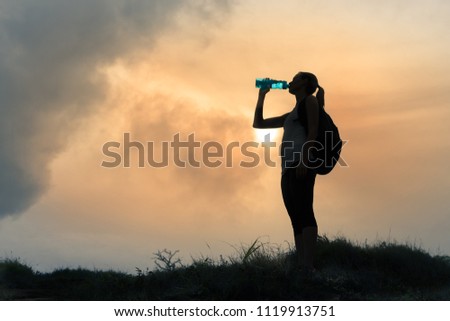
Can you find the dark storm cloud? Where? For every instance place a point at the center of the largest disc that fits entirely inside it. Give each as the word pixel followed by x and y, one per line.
pixel 50 55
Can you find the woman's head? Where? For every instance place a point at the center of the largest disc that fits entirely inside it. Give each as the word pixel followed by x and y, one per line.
pixel 305 80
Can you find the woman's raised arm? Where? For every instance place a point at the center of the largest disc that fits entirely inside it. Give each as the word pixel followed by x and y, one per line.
pixel 259 121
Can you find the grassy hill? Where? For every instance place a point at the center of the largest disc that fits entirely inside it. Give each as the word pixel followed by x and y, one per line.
pixel 385 271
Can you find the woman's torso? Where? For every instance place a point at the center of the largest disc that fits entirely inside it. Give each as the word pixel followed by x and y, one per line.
pixel 294 136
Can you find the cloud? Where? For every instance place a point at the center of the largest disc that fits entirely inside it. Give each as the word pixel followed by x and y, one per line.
pixel 160 117
pixel 51 54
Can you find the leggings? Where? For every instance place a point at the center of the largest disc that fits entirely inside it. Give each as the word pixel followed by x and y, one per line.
pixel 298 195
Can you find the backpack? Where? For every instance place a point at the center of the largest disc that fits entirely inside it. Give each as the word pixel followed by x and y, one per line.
pixel 327 149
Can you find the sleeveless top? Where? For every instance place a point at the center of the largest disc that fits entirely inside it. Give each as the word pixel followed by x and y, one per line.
pixel 294 136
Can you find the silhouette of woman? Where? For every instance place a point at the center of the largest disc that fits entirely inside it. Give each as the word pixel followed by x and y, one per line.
pixel 297 180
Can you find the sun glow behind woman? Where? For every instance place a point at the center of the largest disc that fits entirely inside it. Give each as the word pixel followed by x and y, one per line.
pixel 261 134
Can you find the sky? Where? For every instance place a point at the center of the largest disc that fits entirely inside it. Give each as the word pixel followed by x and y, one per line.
pixel 76 75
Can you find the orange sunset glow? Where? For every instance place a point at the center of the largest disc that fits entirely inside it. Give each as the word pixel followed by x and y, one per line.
pixel 80 74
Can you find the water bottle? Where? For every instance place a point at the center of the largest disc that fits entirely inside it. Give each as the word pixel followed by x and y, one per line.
pixel 271 83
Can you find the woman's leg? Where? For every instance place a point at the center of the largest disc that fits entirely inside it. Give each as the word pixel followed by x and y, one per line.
pixel 309 235
pixel 289 195
pixel 298 238
pixel 309 224
pixel 298 196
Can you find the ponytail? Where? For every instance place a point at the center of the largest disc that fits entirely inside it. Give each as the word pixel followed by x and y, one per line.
pixel 320 95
